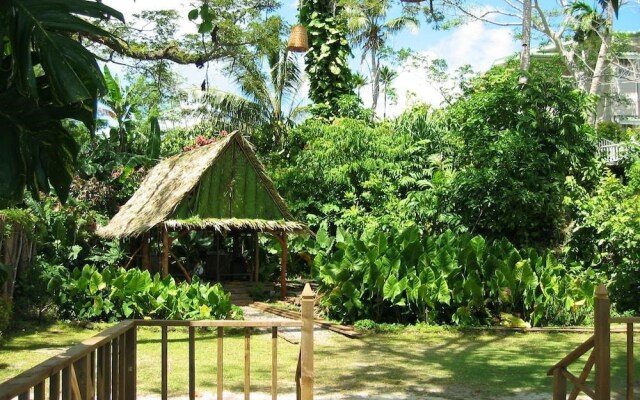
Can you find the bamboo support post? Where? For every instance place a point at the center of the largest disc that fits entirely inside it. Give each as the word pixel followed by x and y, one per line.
pixel 306 344
pixel 256 242
pixel 602 342
pixel 219 385
pixel 166 248
pixel 283 265
pixel 146 252
pixel 186 273
pixel 630 368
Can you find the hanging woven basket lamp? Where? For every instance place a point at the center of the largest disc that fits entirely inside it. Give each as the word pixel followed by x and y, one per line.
pixel 298 40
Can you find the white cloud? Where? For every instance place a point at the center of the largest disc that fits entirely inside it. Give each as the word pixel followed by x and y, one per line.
pixel 475 44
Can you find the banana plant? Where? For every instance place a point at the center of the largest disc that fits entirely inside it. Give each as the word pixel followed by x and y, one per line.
pixel 47 76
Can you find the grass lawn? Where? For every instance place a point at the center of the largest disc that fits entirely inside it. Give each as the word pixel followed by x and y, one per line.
pixel 421 363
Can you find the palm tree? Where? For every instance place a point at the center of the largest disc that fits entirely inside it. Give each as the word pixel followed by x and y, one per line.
pixel 387 75
pixel 370 29
pixel 269 98
pixel 359 81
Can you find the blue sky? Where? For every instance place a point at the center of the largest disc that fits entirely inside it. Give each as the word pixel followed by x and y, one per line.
pixel 476 43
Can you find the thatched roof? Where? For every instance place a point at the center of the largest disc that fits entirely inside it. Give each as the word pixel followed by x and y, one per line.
pixel 176 179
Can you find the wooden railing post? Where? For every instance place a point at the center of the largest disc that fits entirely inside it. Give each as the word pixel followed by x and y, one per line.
pixel 559 385
pixel 602 343
pixel 306 344
pixel 130 360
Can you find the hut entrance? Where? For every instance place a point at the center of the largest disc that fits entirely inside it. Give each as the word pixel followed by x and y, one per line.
pixel 235 257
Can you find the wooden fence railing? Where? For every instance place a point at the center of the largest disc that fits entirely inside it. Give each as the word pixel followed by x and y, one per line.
pixel 105 366
pixel 600 357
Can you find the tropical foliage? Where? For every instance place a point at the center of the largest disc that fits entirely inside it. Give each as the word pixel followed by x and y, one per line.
pixel 369 26
pixel 607 233
pixel 270 102
pixel 402 275
pixel 515 147
pixel 115 293
pixel 36 150
pixel 327 59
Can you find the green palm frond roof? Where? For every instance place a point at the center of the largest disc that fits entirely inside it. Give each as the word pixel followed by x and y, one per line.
pixel 221 186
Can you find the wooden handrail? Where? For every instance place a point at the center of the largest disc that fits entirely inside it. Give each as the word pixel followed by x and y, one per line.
pixel 600 356
pixel 624 320
pixel 31 377
pixel 220 323
pixel 104 366
pixel 573 356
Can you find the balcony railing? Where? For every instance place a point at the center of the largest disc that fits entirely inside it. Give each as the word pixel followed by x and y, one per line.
pixel 105 366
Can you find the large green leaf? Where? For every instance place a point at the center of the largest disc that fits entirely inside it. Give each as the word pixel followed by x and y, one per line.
pixel 40 34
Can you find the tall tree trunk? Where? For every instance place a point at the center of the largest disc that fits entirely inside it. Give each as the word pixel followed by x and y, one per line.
pixel 602 62
pixel 384 112
pixel 603 54
pixel 375 64
pixel 525 55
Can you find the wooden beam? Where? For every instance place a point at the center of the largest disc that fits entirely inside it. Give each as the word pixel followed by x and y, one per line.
pixel 225 323
pixel 186 273
pixel 146 252
pixel 256 241
pixel 583 375
pixel 131 361
pixel 283 265
pixel 166 249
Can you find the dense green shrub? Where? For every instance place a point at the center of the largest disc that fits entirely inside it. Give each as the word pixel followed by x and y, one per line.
pixel 113 294
pixel 351 174
pixel 406 276
pixel 32 298
pixel 516 145
pixel 606 235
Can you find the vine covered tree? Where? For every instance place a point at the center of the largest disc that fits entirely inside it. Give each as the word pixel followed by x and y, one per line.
pixel 327 59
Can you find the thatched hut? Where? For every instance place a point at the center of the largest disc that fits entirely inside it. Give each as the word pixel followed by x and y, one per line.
pixel 221 188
